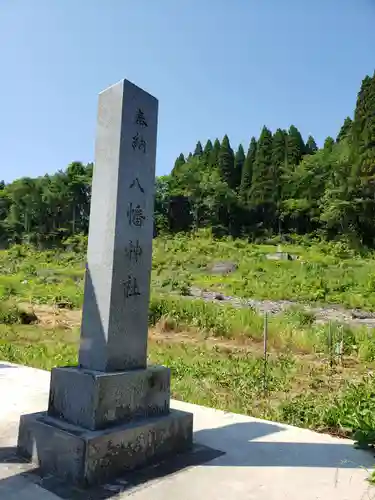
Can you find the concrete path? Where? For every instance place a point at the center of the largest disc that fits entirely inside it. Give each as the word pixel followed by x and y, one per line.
pixel 255 459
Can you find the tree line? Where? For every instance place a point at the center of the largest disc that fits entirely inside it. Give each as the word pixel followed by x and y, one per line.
pixel 281 184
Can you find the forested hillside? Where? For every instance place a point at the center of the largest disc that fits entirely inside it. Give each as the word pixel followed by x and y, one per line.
pixel 277 184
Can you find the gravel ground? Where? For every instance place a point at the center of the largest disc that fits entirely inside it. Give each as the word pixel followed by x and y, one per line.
pixel 323 314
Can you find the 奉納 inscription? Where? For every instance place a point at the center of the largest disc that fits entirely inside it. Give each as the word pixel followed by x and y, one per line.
pixel 138 142
pixel 140 118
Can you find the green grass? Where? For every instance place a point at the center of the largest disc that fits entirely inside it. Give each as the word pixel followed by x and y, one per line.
pixel 227 372
pixel 56 277
pixel 34 346
pixel 300 391
pixel 41 277
pixel 339 276
pixel 234 382
pixel 322 273
pixel 290 331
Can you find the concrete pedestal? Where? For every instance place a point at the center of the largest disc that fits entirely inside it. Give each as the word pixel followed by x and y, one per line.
pixel 85 458
pixel 96 400
pixel 99 425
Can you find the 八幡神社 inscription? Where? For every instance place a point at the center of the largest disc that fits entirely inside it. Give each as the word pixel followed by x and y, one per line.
pixel 134 250
pixel 137 184
pixel 135 215
pixel 131 288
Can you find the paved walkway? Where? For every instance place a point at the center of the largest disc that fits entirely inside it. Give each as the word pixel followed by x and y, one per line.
pixel 254 459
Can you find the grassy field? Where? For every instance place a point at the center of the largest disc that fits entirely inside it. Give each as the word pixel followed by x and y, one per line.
pixel 215 351
pixel 327 273
pixel 297 389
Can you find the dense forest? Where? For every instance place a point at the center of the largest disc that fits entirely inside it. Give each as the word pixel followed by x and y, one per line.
pixel 279 184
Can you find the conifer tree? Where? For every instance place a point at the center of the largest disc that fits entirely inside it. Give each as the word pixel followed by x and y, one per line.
pixel 363 158
pixel 226 162
pixel 363 128
pixel 279 148
pixel 247 171
pixel 262 187
pixel 279 167
pixel 239 161
pixel 207 151
pixel 198 149
pixel 296 146
pixel 178 163
pixel 328 144
pixel 214 156
pixel 311 146
pixel 345 130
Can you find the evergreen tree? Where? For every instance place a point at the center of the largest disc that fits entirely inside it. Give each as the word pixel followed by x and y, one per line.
pixel 214 157
pixel 178 164
pixel 368 154
pixel 364 127
pixel 279 161
pixel 247 171
pixel 262 188
pixel 311 146
pixel 198 149
pixel 207 151
pixel 361 112
pixel 345 130
pixel 328 144
pixel 80 197
pixel 363 157
pixel 239 161
pixel 226 162
pixel 296 146
pixel 279 148
pixel 162 203
pixel 4 208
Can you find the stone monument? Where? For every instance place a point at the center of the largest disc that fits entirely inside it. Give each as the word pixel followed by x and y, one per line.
pixel 112 413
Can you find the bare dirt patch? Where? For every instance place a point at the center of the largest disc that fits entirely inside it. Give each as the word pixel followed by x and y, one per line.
pixel 53 317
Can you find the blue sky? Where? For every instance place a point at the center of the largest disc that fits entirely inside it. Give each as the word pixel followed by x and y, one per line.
pixel 216 66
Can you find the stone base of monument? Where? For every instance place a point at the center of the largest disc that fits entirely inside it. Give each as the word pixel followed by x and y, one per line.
pixel 94 400
pixel 99 425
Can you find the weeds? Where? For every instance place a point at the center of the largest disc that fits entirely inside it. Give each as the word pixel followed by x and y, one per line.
pixel 290 331
pixel 351 409
pixel 227 379
pixel 302 389
pixel 11 314
pixel 319 273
